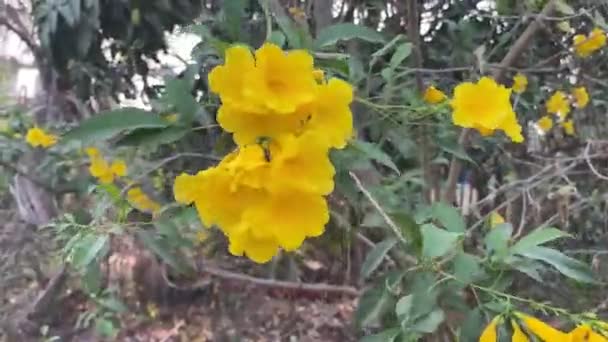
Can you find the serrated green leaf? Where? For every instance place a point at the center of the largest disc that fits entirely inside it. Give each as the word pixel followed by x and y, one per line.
pixel 402 52
pixel 108 124
pixel 449 217
pixel 375 153
pixel 153 136
pixel 375 256
pixel 566 265
pixel 93 247
pixel 536 238
pixel 385 336
pixel 346 31
pixel 429 323
pixel 437 242
pixel 466 267
pixel 497 239
pixel 373 305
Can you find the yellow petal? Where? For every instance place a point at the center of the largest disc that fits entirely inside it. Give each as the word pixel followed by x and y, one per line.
pixel 433 95
pixel 489 333
pixel 518 334
pixel 520 83
pixel 541 329
pixel 119 168
pixel 545 123
pixel 558 104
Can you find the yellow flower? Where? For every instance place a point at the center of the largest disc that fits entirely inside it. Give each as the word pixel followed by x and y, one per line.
pixel 568 127
pixel 581 97
pixel 433 95
pixel 541 329
pixel 104 171
pixel 328 114
pixel 171 118
pixel 275 81
pixel 518 334
pixel 38 137
pixel 319 75
pixel 140 200
pixel 584 333
pixel 558 104
pixel 485 113
pixel 585 46
pixel 496 219
pixel 520 83
pixel 489 333
pixel 545 123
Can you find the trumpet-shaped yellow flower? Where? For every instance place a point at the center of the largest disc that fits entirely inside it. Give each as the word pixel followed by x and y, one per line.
pixel 520 83
pixel 568 127
pixel 545 123
pixel 140 200
pixel 37 137
pixel 558 104
pixel 433 95
pixel 485 106
pixel 581 97
pixel 584 333
pixel 489 334
pixel 104 171
pixel 518 334
pixel 274 80
pixel 585 46
pixel 541 329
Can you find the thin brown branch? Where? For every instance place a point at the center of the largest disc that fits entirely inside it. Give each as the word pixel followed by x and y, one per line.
pixel 509 60
pixel 288 285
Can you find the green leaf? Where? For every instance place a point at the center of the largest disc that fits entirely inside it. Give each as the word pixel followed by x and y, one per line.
pixel 93 247
pixel 466 267
pixel 277 38
pixel 410 230
pixel 163 250
pixel 91 279
pixel 449 217
pixel 566 265
pixel 233 13
pixel 373 305
pixel 113 304
pixel 153 136
pixel 108 124
pixel 374 152
pixel 375 256
pixel 404 306
pixel 106 328
pixel 402 52
pixel 178 94
pixel 564 8
pixel 289 28
pixel 526 266
pixel 536 238
pixel 437 242
pixel 457 151
pixel 385 49
pixel 497 240
pixel 472 326
pixel 429 323
pixel 346 31
pixel 385 336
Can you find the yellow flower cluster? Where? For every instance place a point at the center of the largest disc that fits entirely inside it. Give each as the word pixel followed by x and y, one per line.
pixel 38 137
pixel 140 200
pixel 581 97
pixel 269 194
pixel 539 329
pixel 486 107
pixel 102 170
pixel 520 83
pixel 558 104
pixel 585 46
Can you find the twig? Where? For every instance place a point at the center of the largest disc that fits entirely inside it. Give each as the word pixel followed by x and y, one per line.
pixel 26 175
pixel 376 205
pixel 317 287
pixel 591 167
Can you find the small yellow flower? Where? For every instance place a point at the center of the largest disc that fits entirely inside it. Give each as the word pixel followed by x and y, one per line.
pixel 433 95
pixel 518 334
pixel 581 97
pixel 486 113
pixel 558 104
pixel 496 219
pixel 92 152
pixel 319 75
pixel 140 200
pixel 585 46
pixel 568 127
pixel 489 333
pixel 37 137
pixel 153 310
pixel 102 170
pixel 545 123
pixel 119 168
pixel 541 329
pixel 520 83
